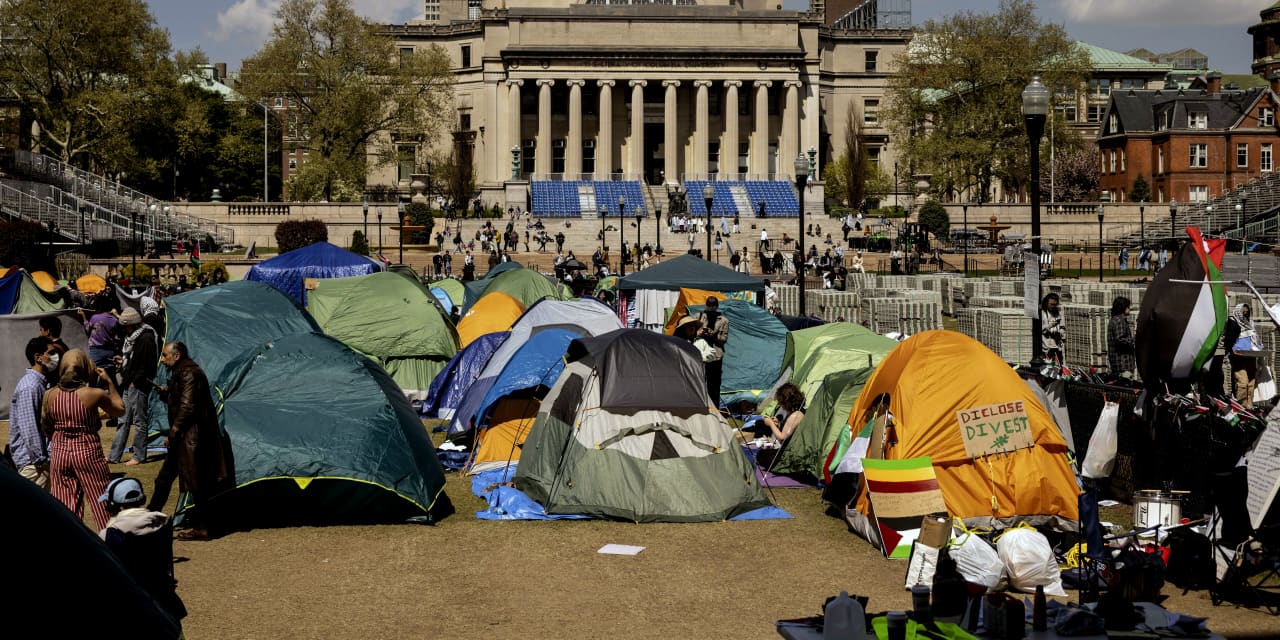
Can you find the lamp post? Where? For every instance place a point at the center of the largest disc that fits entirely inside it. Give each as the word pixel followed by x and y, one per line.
pixel 965 237
pixel 1142 226
pixel 802 178
pixel 365 231
pixel 1208 210
pixel 1240 220
pixel 602 212
pixel 1035 106
pixel 379 232
pixel 622 236
pixel 1173 219
pixel 708 197
pixel 1099 243
pixel 133 245
pixel 403 223
pixel 657 228
pixel 639 219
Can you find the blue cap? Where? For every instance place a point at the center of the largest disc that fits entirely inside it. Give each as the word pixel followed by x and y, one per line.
pixel 124 492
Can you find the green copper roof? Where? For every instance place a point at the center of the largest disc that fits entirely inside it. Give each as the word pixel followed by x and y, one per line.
pixel 1106 59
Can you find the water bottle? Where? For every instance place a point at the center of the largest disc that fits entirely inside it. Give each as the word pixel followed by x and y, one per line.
pixel 1040 611
pixel 897 625
pixel 920 609
pixel 843 619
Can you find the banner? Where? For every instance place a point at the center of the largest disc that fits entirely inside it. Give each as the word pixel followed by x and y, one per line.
pixel 995 428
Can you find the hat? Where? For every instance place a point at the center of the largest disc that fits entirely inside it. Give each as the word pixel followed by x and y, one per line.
pixel 130 317
pixel 124 492
pixel 684 321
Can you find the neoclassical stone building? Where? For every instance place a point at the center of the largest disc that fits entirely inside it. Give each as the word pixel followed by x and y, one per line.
pixel 658 91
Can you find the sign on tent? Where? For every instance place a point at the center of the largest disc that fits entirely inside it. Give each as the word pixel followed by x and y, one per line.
pixel 995 428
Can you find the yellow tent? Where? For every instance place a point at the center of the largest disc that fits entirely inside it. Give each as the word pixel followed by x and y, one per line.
pixel 91 283
pixel 44 280
pixel 688 297
pixel 950 397
pixel 499 443
pixel 495 311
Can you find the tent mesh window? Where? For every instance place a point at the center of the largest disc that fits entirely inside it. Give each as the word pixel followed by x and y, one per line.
pixel 565 407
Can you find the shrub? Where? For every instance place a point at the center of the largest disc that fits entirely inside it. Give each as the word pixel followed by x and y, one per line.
pixel 143 273
pixel 213 266
pixel 420 214
pixel 359 244
pixel 933 216
pixel 295 234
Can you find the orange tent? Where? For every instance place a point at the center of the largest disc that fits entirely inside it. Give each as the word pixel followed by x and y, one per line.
pixel 688 297
pixel 495 311
pixel 946 392
pixel 91 283
pixel 499 444
pixel 44 280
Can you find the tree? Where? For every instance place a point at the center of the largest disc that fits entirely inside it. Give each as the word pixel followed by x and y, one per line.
pixel 359 244
pixel 1074 175
pixel 955 102
pixel 352 97
pixel 852 177
pixel 295 234
pixel 87 71
pixel 934 217
pixel 459 170
pixel 1141 191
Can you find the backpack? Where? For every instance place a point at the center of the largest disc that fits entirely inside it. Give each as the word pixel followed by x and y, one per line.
pixel 1191 564
pixel 1136 576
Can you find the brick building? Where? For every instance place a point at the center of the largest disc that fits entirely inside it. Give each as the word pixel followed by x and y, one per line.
pixel 1189 145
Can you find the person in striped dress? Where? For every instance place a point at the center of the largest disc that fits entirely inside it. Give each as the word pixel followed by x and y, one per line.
pixel 69 416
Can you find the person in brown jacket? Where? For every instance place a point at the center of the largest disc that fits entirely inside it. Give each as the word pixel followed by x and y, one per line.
pixel 199 453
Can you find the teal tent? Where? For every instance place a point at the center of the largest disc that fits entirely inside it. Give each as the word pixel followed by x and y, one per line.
pixel 753 355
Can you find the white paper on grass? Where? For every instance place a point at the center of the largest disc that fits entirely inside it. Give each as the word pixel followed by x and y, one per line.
pixel 620 549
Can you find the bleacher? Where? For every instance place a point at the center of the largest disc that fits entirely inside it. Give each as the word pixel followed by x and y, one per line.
pixel 570 198
pixel 608 192
pixel 556 198
pixel 744 198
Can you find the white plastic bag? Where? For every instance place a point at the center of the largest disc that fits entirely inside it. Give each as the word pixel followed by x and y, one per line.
pixel 1101 456
pixel 1028 560
pixel 704 349
pixel 977 561
pixel 923 564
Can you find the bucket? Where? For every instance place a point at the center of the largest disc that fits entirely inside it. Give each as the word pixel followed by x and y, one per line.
pixel 1156 508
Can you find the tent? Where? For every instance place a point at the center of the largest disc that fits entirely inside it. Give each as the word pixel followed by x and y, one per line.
pixel 53 543
pixel 289 271
pixel 16 330
pixel 753 354
pixel 456 291
pixel 509 407
pixel 91 283
pixel 813 354
pixel 322 435
pixel 584 316
pixel 656 289
pixel 627 432
pixel 443 298
pixel 33 299
pixel 45 281
pixel 826 414
pixel 391 318
pixel 526 285
pixel 493 313
pixel 10 286
pixel 451 384
pixel 933 381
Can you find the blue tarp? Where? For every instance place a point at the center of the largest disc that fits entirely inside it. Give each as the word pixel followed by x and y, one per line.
pixel 450 385
pixel 9 286
pixel 288 271
pixel 537 364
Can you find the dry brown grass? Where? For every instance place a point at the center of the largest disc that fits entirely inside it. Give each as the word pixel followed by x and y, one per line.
pixel 467 578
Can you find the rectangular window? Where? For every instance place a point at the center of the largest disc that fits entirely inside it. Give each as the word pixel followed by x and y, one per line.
pixel 1267 117
pixel 713 158
pixel 1198 193
pixel 1242 155
pixel 473 9
pixel 588 156
pixel 1132 83
pixel 1264 158
pixel 870 59
pixel 432 11
pixel 1104 163
pixel 1068 113
pixel 404 163
pixel 1199 158
pixel 1113 124
pixel 557 155
pixel 1096 111
pixel 1100 87
pixel 1159 159
pixel 1113 161
pixel 464 122
pixel 713 103
pixel 279 102
pixel 466 55
pixel 871 111
pixel 1198 120
pixel 1123 157
pixel 1160 194
pixel 406 53
pixel 873 155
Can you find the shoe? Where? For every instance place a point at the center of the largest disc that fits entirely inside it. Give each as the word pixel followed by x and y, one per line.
pixel 110 461
pixel 193 534
pixel 132 462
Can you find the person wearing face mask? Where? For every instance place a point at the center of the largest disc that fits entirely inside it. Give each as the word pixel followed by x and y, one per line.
pixel 199 454
pixel 27 445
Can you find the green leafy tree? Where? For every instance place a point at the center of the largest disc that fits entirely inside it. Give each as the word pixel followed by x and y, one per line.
pixel 420 214
pixel 933 216
pixel 955 102
pixel 1141 191
pixel 349 94
pixel 359 244
pixel 295 234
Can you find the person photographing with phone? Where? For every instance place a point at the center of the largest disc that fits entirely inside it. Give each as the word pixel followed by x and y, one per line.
pixel 714 329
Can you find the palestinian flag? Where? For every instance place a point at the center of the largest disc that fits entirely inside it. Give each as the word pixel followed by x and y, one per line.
pixel 1180 322
pixel 195 255
pixel 847 454
pixel 902 493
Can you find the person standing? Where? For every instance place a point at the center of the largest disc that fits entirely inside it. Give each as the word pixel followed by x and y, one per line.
pixel 1124 258
pixel 1053 333
pixel 51 328
pixel 69 416
pixel 137 370
pixel 1121 354
pixel 714 328
pixel 1238 337
pixel 27 444
pixel 102 331
pixel 199 453
pixel 764 239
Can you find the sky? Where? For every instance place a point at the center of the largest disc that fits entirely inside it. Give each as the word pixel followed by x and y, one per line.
pixel 230 30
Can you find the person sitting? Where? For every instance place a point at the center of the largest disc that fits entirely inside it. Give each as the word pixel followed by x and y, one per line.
pixel 143 542
pixel 781 424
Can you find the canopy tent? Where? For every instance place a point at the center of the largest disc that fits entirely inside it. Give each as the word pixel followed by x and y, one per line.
pixel 753 354
pixel 289 271
pixel 16 330
pixel 526 285
pixel 929 379
pixel 218 323
pixel 450 385
pixel 690 272
pixel 627 432
pixel 495 312
pixel 322 435
pixel 826 414
pixel 391 318
pixel 52 542
pixel 587 317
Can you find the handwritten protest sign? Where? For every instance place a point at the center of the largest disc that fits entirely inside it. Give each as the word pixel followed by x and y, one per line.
pixel 995 428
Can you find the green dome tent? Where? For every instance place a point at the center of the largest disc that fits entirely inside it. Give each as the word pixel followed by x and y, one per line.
pixel 391 318
pixel 812 354
pixel 321 435
pixel 456 291
pixel 526 285
pixel 827 412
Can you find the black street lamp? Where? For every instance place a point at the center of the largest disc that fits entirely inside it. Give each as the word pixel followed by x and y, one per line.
pixel 802 178
pixel 636 253
pixel 708 196
pixel 1099 243
pixel 622 236
pixel 1142 226
pixel 133 244
pixel 1035 106
pixel 657 228
pixel 1240 208
pixel 403 222
pixel 602 212
pixel 365 230
pixel 1173 219
pixel 965 237
pixel 379 233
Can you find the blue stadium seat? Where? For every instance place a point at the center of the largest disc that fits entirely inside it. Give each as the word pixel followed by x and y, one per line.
pixel 555 198
pixel 778 198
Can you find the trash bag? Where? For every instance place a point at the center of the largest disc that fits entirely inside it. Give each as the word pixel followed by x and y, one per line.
pixel 1028 560
pixel 977 561
pixel 1101 456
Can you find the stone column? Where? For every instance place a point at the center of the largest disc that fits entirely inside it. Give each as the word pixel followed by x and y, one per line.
pixel 542 161
pixel 758 158
pixel 789 143
pixel 604 137
pixel 670 114
pixel 513 117
pixel 573 152
pixel 636 144
pixel 701 133
pixel 729 145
